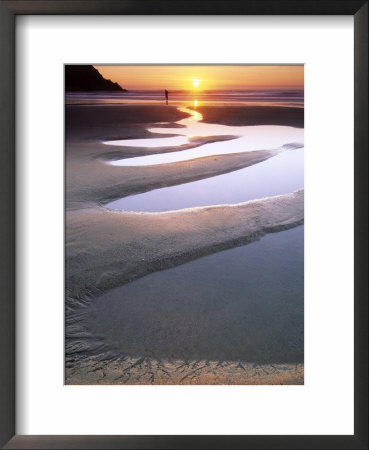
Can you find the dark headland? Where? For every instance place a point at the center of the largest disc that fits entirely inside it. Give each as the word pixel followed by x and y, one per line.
pixel 85 78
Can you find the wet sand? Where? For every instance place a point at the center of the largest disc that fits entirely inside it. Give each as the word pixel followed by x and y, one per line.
pixel 253 115
pixel 105 249
pixel 93 370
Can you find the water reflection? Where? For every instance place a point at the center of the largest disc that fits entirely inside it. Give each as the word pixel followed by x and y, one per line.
pixel 242 304
pixel 248 138
pixel 278 175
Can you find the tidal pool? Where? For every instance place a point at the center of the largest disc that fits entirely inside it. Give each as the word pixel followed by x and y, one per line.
pixel 243 304
pixel 280 174
pixel 248 138
pixel 154 142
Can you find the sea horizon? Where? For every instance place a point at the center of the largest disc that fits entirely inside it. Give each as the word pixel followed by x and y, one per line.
pixel 267 97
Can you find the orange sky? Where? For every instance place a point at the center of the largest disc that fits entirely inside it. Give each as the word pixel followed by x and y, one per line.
pixel 207 77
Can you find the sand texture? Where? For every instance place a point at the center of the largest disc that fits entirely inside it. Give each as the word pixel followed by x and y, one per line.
pixel 106 249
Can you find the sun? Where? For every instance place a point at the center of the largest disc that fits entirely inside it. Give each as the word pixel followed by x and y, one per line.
pixel 196 83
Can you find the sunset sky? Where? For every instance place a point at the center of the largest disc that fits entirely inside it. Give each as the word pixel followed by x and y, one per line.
pixel 205 77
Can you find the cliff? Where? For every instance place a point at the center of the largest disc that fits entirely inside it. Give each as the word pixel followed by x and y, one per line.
pixel 85 78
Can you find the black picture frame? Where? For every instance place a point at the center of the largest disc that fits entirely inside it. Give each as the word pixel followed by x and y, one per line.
pixel 8 12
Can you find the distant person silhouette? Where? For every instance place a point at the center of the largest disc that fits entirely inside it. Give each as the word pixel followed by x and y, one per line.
pixel 166 96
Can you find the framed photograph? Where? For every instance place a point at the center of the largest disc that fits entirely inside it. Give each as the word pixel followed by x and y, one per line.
pixel 184 226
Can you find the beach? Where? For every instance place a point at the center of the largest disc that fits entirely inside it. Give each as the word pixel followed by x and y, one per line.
pixel 107 249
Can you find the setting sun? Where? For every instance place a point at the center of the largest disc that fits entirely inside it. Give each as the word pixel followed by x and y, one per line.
pixel 209 77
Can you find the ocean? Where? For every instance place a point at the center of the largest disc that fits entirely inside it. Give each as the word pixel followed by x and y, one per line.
pixel 194 98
